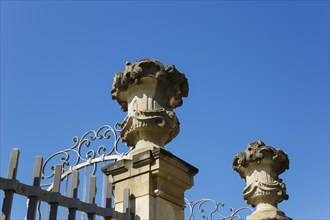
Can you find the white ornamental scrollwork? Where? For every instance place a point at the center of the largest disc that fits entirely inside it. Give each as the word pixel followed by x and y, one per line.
pixel 74 157
pixel 199 208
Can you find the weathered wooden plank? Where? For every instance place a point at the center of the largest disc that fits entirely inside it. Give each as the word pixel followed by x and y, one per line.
pixel 56 189
pixel 74 193
pixel 33 201
pixel 9 194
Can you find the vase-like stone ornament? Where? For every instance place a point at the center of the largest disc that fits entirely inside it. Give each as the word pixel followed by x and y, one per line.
pixel 149 92
pixel 261 165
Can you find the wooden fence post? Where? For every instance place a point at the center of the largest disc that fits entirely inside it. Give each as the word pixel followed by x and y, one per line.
pixel 9 194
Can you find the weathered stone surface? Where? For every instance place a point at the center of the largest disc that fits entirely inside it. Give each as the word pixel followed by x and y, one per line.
pixel 149 92
pixel 157 181
pixel 173 85
pixel 261 165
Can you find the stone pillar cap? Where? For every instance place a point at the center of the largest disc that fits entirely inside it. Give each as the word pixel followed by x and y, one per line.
pixel 148 157
pixel 258 151
pixel 175 81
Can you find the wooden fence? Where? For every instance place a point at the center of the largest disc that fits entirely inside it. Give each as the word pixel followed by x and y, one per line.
pixel 35 194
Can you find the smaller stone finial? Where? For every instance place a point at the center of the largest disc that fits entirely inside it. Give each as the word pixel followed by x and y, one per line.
pixel 149 92
pixel 261 165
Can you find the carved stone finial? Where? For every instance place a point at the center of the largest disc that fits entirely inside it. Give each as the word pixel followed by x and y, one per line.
pixel 261 165
pixel 149 92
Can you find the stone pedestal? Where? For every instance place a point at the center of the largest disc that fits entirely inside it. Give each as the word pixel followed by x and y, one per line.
pixel 261 165
pixel 157 181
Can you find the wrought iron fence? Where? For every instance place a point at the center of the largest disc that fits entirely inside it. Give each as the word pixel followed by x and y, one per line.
pixel 54 198
pixel 63 165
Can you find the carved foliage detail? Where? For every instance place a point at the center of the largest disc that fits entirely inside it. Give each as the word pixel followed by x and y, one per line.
pixel 257 151
pixel 274 191
pixel 261 165
pixel 159 121
pixel 175 82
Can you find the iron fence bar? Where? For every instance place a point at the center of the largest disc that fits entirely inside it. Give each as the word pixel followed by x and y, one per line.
pixel 9 194
pixel 65 194
pixel 74 193
pixel 56 189
pixel 92 194
pixel 108 203
pixel 33 200
pixel 126 206
pixel 84 190
pixel 108 195
pixel 104 187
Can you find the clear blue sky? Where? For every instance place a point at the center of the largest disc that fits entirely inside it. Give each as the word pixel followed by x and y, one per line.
pixel 256 70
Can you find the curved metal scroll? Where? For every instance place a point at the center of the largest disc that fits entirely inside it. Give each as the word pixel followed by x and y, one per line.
pixel 73 158
pixel 214 207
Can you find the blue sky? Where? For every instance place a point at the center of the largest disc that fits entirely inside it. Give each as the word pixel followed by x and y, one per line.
pixel 256 70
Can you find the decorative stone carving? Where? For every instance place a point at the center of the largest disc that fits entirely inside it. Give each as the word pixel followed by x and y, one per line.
pixel 149 92
pixel 261 165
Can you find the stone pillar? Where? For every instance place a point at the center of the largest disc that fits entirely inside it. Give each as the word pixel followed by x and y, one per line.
pixel 157 179
pixel 261 165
